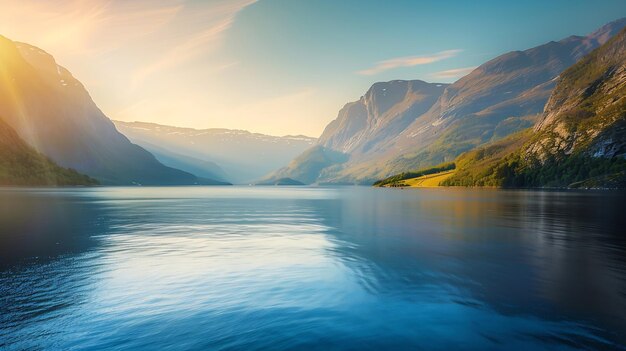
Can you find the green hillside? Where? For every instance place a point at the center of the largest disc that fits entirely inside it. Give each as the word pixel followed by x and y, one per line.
pixel 21 165
pixel 398 180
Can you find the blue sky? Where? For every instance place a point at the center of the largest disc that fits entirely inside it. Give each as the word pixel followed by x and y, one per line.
pixel 325 43
pixel 278 66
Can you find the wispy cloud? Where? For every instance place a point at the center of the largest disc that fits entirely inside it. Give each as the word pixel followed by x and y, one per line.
pixel 84 27
pixel 202 42
pixel 141 37
pixel 408 61
pixel 453 73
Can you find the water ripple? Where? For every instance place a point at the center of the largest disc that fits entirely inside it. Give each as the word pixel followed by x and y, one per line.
pixel 193 268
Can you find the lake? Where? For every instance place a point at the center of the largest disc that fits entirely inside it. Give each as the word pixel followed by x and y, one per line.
pixel 284 268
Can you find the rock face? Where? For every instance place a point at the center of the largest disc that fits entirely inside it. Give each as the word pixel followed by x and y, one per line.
pixel 51 111
pixel 580 140
pixel 236 155
pixel 587 110
pixel 379 116
pixel 502 96
pixel 362 128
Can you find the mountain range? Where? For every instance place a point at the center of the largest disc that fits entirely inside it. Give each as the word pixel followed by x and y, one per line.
pixel 399 126
pixel 552 115
pixel 238 156
pixel 52 112
pixel 580 140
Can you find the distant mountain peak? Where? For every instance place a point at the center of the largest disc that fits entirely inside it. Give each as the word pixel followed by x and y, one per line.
pixel 201 131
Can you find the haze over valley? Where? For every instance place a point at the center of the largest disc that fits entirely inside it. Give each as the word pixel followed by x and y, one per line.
pixel 236 155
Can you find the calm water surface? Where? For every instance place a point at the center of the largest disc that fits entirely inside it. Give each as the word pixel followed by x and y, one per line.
pixel 243 268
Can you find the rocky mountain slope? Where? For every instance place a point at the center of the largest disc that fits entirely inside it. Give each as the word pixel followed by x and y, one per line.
pixel 51 111
pixel 502 96
pixel 587 110
pixel 236 155
pixel 381 114
pixel 580 139
pixel 20 164
pixel 361 127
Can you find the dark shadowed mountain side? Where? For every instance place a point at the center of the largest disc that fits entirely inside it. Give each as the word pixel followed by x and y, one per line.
pixel 236 155
pixel 51 111
pixel 193 165
pixel 580 140
pixel 21 165
pixel 500 97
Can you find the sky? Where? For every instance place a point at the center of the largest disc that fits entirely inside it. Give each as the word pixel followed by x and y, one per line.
pixel 277 67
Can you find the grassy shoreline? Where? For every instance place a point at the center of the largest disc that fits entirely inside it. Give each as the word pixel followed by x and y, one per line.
pixel 425 181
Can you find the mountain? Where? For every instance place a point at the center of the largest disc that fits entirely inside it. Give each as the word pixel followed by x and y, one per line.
pixel 500 97
pixel 504 95
pixel 362 126
pixel 20 164
pixel 193 165
pixel 52 112
pixel 308 167
pixel 580 140
pixel 385 110
pixel 236 155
